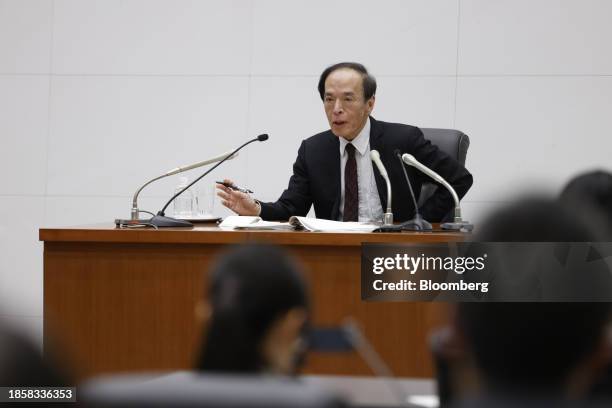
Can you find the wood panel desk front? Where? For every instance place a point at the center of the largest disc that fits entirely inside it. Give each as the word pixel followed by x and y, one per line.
pixel 123 300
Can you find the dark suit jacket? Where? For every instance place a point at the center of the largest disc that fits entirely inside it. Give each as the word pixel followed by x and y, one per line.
pixel 316 175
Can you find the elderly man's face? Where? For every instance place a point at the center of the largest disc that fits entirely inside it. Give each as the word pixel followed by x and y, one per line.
pixel 345 105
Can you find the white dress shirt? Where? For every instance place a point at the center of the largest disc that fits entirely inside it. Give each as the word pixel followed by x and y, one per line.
pixel 370 208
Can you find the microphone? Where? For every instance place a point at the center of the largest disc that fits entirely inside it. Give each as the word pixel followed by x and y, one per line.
pixel 458 224
pixel 164 221
pixel 160 220
pixel 418 223
pixel 200 164
pixel 375 156
pixel 135 211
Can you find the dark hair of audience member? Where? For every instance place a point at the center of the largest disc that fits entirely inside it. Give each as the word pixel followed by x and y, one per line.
pixel 591 195
pixel 251 287
pixel 534 347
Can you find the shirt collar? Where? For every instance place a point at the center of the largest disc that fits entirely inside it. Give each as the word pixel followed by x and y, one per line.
pixel 360 142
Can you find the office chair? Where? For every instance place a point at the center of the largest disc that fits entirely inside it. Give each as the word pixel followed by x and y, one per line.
pixel 452 142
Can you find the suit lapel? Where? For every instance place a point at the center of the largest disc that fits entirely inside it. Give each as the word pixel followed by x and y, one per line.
pixel 376 143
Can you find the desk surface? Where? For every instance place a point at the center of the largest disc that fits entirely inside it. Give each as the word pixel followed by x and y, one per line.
pixel 207 234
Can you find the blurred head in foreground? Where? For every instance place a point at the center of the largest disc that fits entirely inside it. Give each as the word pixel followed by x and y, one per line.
pixel 528 349
pixel 22 364
pixel 537 219
pixel 591 194
pixel 256 310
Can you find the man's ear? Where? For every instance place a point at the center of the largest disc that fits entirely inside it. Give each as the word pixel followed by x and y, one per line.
pixel 370 104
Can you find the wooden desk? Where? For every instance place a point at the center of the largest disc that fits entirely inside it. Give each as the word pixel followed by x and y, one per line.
pixel 123 300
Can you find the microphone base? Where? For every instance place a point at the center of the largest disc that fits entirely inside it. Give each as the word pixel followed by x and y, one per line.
pixel 389 228
pixel 157 221
pixel 461 226
pixel 165 222
pixel 416 224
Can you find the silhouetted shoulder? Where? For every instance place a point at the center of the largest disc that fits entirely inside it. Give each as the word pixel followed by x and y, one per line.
pixel 325 138
pixel 397 134
pixel 390 129
pixel 398 127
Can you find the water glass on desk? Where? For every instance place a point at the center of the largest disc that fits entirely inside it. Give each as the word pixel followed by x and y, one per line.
pixel 205 200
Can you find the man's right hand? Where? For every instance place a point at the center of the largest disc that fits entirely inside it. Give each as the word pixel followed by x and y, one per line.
pixel 240 203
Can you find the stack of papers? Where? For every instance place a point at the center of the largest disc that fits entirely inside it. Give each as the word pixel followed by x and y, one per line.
pixel 300 223
pixel 243 222
pixel 315 224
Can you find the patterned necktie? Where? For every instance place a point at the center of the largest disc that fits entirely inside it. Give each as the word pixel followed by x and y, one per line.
pixel 351 190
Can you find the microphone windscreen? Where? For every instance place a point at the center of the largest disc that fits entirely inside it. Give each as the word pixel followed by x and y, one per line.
pixel 409 159
pixel 263 137
pixel 374 155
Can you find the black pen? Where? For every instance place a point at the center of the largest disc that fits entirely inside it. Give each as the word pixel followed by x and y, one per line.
pixel 235 188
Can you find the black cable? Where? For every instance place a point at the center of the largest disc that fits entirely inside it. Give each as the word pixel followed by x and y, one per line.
pixel 399 156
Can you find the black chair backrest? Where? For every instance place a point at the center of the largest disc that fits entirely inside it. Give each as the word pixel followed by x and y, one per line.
pixel 452 142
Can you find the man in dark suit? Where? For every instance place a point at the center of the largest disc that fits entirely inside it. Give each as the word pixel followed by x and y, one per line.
pixel 334 172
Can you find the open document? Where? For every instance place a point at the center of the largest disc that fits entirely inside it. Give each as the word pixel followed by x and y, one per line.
pixel 296 223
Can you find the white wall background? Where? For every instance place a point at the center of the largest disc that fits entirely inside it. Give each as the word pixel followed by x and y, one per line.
pixel 96 96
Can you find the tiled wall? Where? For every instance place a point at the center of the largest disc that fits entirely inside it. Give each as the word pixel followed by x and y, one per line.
pixel 97 96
